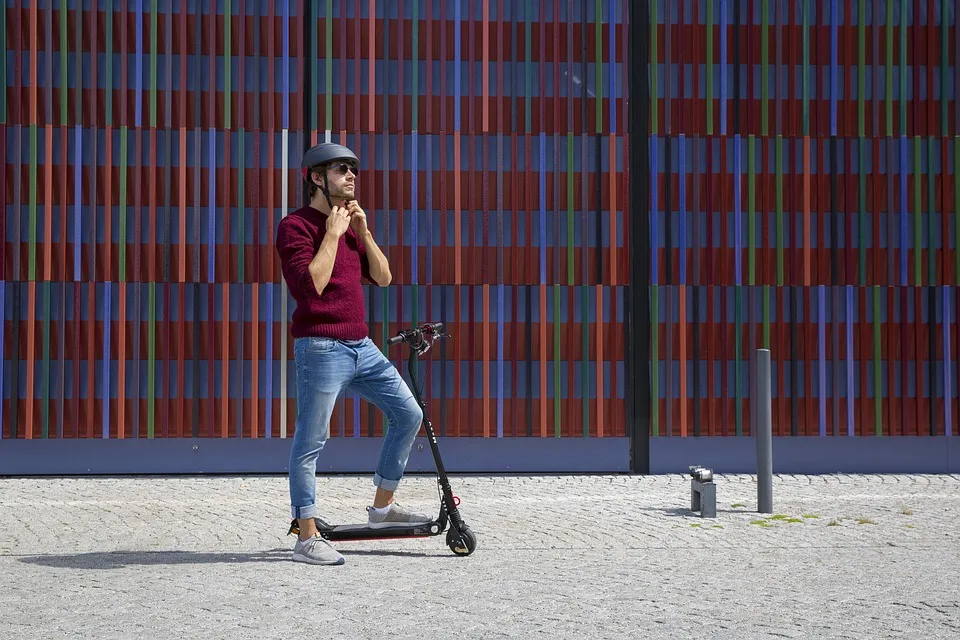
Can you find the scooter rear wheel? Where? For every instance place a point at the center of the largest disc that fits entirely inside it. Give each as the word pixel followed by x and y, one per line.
pixel 462 544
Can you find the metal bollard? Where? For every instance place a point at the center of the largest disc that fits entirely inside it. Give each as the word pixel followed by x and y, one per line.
pixel 703 492
pixel 763 423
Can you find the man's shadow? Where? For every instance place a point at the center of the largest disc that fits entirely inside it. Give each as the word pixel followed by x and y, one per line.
pixel 106 560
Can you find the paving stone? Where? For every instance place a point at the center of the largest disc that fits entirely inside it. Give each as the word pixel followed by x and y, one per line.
pixel 580 557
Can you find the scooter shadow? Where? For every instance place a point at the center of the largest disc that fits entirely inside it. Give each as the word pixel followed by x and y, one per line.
pixel 107 560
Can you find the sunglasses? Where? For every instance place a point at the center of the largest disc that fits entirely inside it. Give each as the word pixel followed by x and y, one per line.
pixel 343 167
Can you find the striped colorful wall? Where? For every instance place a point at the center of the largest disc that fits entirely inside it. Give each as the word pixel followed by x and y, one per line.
pixel 153 146
pixel 796 192
pixel 803 164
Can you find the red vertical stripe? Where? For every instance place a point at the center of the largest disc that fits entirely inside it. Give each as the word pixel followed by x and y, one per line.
pixel 598 359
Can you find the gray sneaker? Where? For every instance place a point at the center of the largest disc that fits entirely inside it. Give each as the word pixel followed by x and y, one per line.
pixel 396 516
pixel 316 550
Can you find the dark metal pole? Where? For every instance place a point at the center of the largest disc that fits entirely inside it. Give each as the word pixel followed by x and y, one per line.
pixel 764 434
pixel 638 325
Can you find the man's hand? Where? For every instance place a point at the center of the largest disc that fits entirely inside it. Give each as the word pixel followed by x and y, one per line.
pixel 338 221
pixel 358 219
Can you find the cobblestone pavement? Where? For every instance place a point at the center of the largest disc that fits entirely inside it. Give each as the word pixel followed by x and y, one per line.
pixel 558 557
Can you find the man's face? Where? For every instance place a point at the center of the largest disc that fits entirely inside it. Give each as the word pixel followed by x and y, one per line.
pixel 341 180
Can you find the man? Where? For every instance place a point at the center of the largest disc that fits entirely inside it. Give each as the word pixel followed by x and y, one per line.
pixel 325 249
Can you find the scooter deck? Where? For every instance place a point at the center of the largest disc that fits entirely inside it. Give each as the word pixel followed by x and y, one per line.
pixel 365 532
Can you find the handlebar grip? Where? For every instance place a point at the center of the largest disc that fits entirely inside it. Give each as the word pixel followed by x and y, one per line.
pixel 435 326
pixel 395 339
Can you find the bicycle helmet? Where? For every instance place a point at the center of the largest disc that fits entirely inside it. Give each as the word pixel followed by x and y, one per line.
pixel 323 154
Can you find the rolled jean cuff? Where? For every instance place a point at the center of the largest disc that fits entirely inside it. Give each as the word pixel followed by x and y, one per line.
pixel 305 513
pixel 383 483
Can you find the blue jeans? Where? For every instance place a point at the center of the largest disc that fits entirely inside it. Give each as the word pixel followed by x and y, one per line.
pixel 326 368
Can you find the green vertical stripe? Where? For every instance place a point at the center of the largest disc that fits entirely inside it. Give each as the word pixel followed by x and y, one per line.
pixel 764 65
pixel 64 49
pixel 241 206
pixel 862 67
pixel 806 70
pixel 709 68
pixel 47 312
pixel 108 60
pixel 151 354
pixel 32 224
pixel 153 63
pixel 861 169
pixel 328 39
pixel 737 365
pixel 931 208
pixel 751 210
pixel 556 360
pixel 779 162
pixel 766 317
pixel 415 66
pixel 122 243
pixel 599 65
pixel 570 232
pixel 888 85
pixel 877 372
pixel 655 359
pixel 585 363
pixel 917 229
pixel 903 66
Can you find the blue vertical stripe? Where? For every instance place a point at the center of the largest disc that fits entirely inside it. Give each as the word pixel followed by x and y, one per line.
pixel 947 363
pixel 286 66
pixel 500 340
pixel 429 211
pixel 833 68
pixel 268 360
pixel 107 384
pixel 77 200
pixel 543 208
pixel 212 219
pixel 655 217
pixel 3 321
pixel 822 356
pixel 851 392
pixel 904 237
pixel 683 208
pixel 414 240
pixel 737 222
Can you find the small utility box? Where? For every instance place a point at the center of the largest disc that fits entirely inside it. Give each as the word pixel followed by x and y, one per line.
pixel 703 492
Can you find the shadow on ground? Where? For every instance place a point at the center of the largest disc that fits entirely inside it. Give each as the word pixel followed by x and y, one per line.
pixel 120 559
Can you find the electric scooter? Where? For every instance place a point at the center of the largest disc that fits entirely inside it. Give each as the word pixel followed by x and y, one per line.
pixel 461 540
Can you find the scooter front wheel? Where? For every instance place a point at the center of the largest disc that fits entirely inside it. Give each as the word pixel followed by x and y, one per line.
pixel 462 543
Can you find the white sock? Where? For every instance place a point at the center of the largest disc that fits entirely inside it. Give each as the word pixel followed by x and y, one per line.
pixel 381 510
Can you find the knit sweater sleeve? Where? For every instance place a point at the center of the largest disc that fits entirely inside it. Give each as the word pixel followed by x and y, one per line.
pixel 364 262
pixel 296 250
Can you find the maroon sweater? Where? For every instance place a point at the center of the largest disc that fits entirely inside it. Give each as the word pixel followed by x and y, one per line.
pixel 340 311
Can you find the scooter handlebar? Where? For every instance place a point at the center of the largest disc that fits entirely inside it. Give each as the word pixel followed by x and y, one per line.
pixel 433 327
